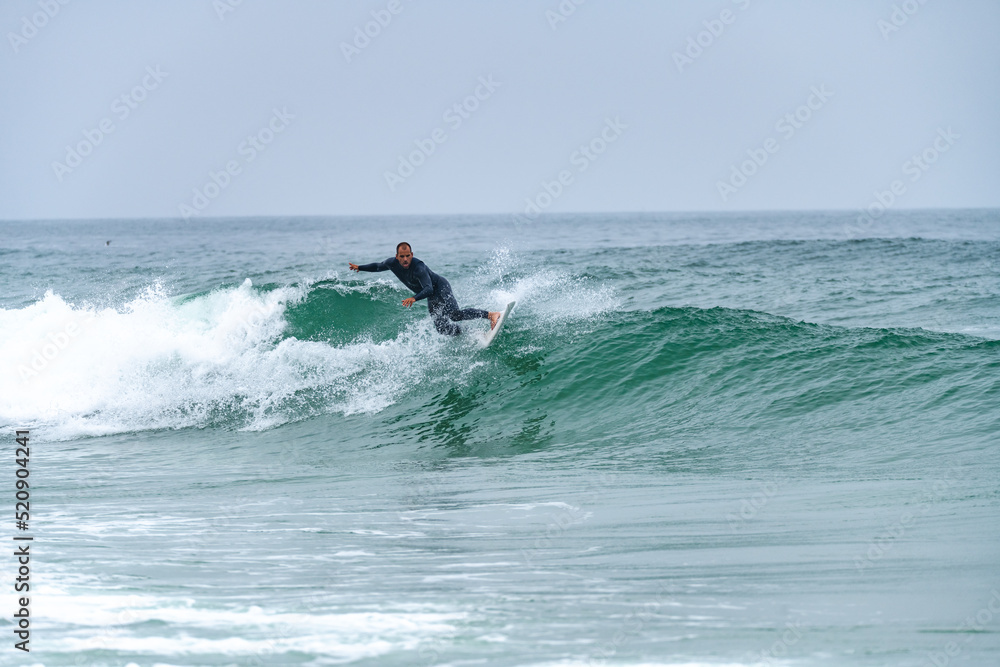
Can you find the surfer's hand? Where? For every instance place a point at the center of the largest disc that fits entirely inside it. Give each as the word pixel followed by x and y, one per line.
pixel 409 302
pixel 352 266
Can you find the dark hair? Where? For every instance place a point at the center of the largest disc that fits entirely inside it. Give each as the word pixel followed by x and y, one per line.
pixel 401 244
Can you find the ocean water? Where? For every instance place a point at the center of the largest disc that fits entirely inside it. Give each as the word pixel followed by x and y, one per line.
pixel 701 439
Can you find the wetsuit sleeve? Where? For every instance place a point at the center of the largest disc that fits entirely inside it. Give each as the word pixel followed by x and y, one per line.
pixel 376 266
pixel 423 276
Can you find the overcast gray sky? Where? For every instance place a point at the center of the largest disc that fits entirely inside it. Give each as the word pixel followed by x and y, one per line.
pixel 313 116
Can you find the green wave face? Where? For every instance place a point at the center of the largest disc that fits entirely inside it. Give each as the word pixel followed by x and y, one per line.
pixel 339 313
pixel 564 374
pixel 680 378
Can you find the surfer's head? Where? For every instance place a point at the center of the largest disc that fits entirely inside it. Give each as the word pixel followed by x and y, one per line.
pixel 404 255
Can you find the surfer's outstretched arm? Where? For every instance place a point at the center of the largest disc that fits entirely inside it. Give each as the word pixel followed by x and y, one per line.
pixel 374 266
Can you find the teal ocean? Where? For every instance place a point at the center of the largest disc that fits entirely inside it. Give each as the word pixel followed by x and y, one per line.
pixel 701 439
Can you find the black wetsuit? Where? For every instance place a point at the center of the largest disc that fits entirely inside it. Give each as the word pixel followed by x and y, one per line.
pixel 428 285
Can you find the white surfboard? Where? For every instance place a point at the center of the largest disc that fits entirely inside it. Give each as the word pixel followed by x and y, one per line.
pixel 492 333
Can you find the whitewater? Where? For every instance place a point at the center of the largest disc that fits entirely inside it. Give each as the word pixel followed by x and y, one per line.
pixel 701 439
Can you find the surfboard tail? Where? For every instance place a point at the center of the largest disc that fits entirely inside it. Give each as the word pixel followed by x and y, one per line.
pixel 492 333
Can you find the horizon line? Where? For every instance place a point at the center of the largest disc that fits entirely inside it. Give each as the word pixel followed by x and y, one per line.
pixel 546 214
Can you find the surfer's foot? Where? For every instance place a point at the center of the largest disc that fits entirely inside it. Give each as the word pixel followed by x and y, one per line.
pixel 493 319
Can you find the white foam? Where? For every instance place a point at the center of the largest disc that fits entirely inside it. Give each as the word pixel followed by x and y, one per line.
pixel 546 298
pixel 160 362
pixel 104 621
pixel 590 663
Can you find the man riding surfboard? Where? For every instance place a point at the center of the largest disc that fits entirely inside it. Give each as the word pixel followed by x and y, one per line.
pixel 428 285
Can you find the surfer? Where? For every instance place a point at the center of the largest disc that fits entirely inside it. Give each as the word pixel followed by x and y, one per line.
pixel 428 285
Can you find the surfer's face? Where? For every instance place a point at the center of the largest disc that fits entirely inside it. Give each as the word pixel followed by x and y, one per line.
pixel 404 256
